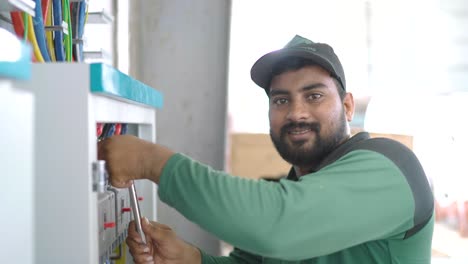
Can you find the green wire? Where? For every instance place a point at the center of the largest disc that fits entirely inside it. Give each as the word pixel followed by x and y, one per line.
pixel 25 24
pixel 65 37
pixel 68 38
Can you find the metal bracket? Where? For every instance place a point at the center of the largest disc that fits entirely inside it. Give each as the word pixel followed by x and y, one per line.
pixel 100 17
pixel 63 27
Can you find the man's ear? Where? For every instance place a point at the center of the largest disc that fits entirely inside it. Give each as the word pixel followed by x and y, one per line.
pixel 348 105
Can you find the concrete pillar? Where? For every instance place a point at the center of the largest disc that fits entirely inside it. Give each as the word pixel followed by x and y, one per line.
pixel 180 47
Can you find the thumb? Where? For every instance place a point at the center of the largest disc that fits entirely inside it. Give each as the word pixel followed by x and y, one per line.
pixel 155 230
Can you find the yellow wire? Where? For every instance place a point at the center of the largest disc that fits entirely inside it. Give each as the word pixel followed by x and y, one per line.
pixel 86 17
pixel 33 40
pixel 123 258
pixel 49 34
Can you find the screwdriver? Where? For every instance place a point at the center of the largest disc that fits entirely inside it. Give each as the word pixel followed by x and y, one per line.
pixel 136 212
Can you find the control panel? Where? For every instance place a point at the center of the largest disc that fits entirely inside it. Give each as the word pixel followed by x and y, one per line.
pixel 79 218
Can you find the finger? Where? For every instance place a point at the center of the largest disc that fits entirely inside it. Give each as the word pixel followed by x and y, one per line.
pixel 116 178
pixel 137 248
pixel 155 225
pixel 133 233
pixel 140 252
pixel 101 150
pixel 118 183
pixel 156 231
pixel 103 154
pixel 143 259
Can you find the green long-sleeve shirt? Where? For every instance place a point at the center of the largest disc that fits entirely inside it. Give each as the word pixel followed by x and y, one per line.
pixel 369 202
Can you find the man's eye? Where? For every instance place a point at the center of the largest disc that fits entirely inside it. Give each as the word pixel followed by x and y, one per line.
pixel 280 101
pixel 314 96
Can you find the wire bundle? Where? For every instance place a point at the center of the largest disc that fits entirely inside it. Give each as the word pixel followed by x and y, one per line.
pixel 53 45
pixel 107 130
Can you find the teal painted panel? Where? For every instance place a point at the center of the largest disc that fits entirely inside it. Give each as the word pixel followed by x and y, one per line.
pixel 107 80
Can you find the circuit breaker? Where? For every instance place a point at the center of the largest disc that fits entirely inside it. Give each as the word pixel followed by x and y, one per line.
pixel 76 222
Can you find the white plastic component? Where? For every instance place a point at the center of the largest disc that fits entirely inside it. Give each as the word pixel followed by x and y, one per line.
pixel 18 5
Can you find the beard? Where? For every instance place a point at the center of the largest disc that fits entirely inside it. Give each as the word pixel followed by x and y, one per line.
pixel 307 153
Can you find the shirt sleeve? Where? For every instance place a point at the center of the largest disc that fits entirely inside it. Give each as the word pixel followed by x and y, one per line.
pixel 360 197
pixel 237 256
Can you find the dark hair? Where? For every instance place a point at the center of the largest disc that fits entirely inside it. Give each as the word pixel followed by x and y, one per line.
pixel 295 63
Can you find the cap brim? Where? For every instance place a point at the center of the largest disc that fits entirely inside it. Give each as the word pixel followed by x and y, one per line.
pixel 261 72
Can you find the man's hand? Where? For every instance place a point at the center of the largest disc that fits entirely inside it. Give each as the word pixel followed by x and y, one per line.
pixel 162 245
pixel 129 158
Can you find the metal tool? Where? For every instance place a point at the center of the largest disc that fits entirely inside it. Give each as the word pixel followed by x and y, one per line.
pixel 136 211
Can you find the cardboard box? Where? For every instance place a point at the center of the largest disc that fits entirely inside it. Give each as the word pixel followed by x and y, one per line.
pixel 254 155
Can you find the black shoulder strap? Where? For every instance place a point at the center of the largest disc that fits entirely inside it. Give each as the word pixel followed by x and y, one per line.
pixel 410 167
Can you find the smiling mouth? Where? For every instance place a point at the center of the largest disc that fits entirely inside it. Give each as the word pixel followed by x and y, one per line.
pixel 299 132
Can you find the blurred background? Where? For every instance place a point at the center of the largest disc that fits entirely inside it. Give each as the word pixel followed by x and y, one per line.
pixel 406 63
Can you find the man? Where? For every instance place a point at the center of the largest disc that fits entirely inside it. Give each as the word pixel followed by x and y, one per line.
pixel 346 199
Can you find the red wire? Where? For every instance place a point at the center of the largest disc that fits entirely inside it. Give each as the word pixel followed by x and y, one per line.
pixel 17 21
pixel 45 7
pixel 18 26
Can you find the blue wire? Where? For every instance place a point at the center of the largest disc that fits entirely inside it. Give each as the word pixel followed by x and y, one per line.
pixel 81 25
pixel 123 130
pixel 39 30
pixel 111 131
pixel 58 39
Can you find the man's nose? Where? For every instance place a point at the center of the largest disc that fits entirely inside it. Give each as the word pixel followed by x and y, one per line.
pixel 298 111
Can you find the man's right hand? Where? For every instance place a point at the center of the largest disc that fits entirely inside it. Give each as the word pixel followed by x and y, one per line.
pixel 130 158
pixel 162 245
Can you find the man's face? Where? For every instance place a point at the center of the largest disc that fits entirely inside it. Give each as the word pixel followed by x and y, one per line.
pixel 307 117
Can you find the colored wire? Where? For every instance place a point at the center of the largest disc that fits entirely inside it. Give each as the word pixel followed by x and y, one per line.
pixel 83 15
pixel 69 37
pixel 105 131
pixel 86 16
pixel 45 8
pixel 123 130
pixel 58 35
pixel 33 41
pixel 50 34
pixel 80 17
pixel 99 129
pixel 74 9
pixel 26 25
pixel 20 25
pixel 17 22
pixel 118 129
pixel 111 131
pixel 39 31
pixel 123 254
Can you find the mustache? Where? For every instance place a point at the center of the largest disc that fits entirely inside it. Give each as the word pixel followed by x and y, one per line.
pixel 300 125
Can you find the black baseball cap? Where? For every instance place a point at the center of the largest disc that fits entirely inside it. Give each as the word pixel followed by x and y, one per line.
pixel 320 53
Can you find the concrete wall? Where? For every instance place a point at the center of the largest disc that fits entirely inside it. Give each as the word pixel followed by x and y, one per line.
pixel 180 47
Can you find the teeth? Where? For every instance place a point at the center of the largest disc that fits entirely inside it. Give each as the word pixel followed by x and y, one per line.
pixel 299 132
